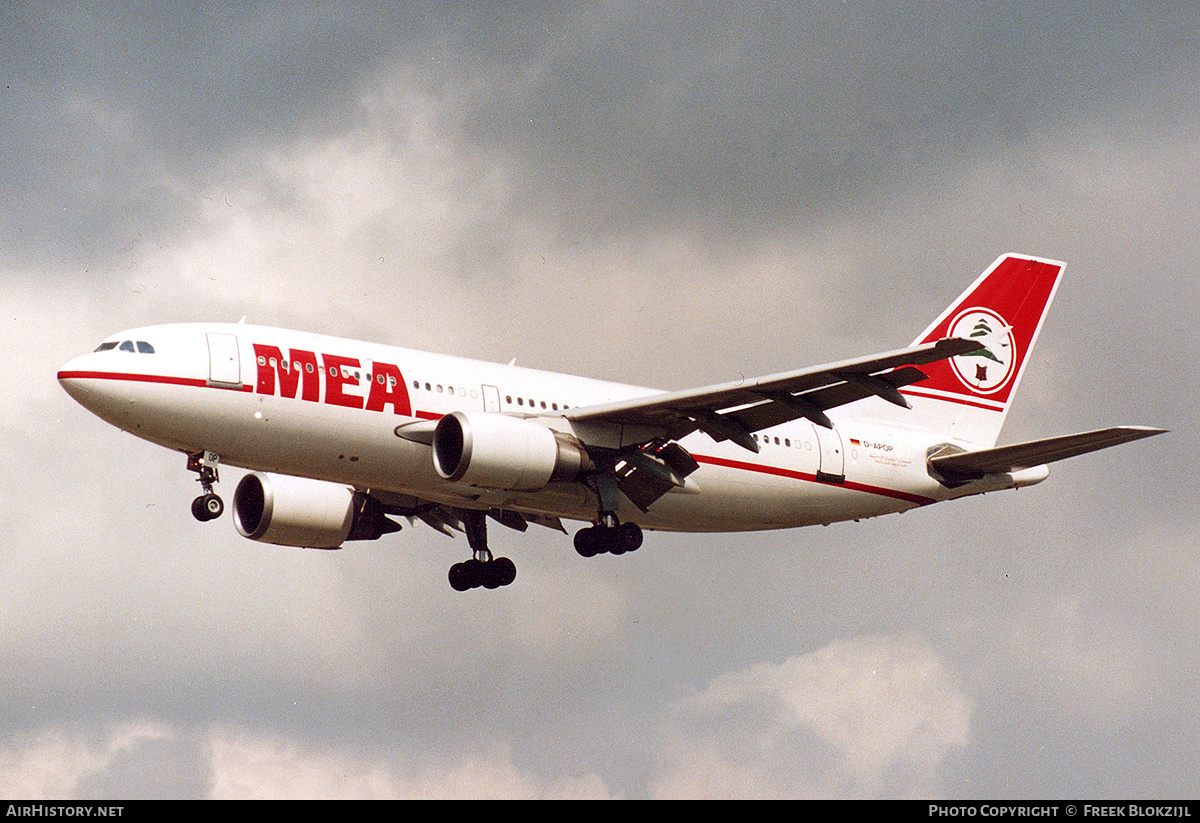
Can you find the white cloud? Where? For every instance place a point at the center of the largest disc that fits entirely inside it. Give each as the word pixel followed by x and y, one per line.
pixel 249 767
pixel 57 764
pixel 52 764
pixel 873 716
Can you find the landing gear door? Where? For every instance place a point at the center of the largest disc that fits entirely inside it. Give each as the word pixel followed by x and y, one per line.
pixel 224 362
pixel 833 458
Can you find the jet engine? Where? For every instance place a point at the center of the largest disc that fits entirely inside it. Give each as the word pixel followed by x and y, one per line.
pixel 495 451
pixel 297 511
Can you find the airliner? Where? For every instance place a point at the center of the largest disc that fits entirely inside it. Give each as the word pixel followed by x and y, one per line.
pixel 342 437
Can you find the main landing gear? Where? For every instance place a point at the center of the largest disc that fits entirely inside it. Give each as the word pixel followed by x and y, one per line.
pixel 609 535
pixel 208 506
pixel 482 569
pixel 608 538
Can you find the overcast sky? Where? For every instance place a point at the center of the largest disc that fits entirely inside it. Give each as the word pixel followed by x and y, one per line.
pixel 663 194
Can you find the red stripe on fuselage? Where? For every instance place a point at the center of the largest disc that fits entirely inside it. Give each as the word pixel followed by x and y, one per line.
pixel 134 377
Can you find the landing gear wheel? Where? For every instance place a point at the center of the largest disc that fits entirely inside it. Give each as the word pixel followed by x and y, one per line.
pixel 628 538
pixel 586 543
pixel 464 575
pixel 207 507
pixel 504 570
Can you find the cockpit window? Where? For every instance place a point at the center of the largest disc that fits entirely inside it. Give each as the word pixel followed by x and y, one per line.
pixel 138 346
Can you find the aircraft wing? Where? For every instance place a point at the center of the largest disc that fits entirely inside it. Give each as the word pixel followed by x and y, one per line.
pixel 971 465
pixel 732 411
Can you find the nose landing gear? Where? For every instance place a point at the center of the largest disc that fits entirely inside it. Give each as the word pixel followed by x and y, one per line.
pixel 209 505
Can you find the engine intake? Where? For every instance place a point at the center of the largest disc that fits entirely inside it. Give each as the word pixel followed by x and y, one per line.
pixel 495 451
pixel 297 511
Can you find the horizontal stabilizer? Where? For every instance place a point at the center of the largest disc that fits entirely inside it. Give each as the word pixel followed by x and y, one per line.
pixel 970 465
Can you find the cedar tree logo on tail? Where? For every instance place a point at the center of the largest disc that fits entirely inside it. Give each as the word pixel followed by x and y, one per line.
pixel 989 369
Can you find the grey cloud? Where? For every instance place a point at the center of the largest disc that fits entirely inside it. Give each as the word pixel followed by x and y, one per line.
pixel 754 115
pixel 113 116
pixel 615 116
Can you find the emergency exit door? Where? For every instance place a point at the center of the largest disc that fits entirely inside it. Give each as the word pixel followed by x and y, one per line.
pixel 224 363
pixel 833 457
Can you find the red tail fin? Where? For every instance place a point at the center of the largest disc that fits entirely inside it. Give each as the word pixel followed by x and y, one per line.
pixel 1003 309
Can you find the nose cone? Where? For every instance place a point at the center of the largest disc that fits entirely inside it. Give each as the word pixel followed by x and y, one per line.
pixel 91 385
pixel 73 377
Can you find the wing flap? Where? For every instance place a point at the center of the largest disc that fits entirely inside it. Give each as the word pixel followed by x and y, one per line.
pixel 972 465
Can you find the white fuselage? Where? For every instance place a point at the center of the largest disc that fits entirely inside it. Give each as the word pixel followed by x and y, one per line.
pixel 328 408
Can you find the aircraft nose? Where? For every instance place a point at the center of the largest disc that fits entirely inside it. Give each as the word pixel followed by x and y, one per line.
pixel 95 389
pixel 72 376
pixel 90 385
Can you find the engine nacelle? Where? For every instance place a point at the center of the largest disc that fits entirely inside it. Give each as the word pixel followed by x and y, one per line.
pixel 495 451
pixel 297 511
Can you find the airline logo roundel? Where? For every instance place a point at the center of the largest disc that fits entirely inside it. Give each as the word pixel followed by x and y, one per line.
pixel 988 370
